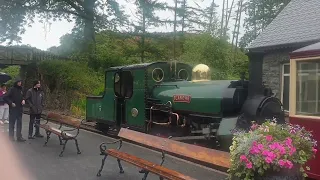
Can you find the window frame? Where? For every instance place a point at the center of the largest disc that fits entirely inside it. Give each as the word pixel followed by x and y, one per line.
pixel 282 83
pixel 293 86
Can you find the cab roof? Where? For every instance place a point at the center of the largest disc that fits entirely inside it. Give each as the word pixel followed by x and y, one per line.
pixel 138 66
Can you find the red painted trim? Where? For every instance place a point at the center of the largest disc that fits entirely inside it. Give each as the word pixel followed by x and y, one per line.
pixel 311 124
pixel 305 54
pixel 313 176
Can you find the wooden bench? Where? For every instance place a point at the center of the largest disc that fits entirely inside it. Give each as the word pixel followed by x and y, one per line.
pixel 62 134
pixel 146 166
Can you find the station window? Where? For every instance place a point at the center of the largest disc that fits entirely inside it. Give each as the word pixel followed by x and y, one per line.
pixel 307 92
pixel 285 86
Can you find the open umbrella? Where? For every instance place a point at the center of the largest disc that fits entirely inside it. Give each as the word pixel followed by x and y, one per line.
pixel 4 77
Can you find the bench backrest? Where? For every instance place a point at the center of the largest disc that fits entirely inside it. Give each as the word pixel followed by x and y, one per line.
pixel 64 119
pixel 198 153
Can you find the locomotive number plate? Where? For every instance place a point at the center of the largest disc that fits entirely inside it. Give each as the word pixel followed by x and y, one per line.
pixel 182 98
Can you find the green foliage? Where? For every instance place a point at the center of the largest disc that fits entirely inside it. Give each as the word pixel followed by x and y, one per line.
pixel 70 75
pixel 270 147
pixel 13 71
pixel 225 61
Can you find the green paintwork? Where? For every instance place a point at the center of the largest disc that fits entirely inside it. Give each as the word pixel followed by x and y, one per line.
pixel 137 100
pixel 102 108
pixel 92 107
pixel 224 132
pixel 108 98
pixel 206 96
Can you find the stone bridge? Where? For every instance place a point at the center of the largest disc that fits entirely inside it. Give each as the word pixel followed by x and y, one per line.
pixel 25 57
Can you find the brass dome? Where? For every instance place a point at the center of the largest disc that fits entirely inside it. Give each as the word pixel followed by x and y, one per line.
pixel 201 72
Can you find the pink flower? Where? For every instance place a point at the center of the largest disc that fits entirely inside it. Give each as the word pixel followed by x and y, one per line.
pixel 288 141
pixel 254 127
pixel 282 163
pixel 282 150
pixel 272 156
pixel 268 160
pixel 269 138
pixel 265 152
pixel 292 150
pixel 260 147
pixel 243 158
pixel 249 165
pixel 289 164
pixel 314 150
pixel 272 146
pixel 254 150
pixel 285 163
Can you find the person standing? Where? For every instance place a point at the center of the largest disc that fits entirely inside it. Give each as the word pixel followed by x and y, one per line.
pixel 35 99
pixel 4 108
pixel 14 98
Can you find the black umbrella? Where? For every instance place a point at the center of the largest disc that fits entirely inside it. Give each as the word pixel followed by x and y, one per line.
pixel 4 77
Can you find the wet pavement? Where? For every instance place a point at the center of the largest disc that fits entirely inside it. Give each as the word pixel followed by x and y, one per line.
pixel 44 163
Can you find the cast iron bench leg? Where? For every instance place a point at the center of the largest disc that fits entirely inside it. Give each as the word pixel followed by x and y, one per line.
pixel 61 143
pixel 146 173
pixel 120 166
pixel 102 164
pixel 48 137
pixel 77 145
pixel 63 148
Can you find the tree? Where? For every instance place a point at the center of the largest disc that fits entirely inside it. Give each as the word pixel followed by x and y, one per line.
pixel 92 14
pixel 260 14
pixel 146 19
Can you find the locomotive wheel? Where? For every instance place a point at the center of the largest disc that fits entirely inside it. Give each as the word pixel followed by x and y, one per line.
pixel 102 127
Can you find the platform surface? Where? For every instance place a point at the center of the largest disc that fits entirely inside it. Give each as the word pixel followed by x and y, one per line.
pixel 44 163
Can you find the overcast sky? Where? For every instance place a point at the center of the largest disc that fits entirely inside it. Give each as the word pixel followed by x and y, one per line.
pixel 43 36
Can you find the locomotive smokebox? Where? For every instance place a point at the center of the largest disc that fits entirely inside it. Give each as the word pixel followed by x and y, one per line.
pixel 259 106
pixel 258 109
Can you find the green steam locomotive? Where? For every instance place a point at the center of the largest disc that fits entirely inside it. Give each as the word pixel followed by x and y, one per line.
pixel 178 100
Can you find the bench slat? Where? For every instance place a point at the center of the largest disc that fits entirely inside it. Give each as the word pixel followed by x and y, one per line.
pixel 64 119
pixel 151 167
pixel 54 130
pixel 211 156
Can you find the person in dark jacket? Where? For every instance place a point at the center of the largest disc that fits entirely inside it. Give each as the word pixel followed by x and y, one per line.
pixel 14 98
pixel 35 99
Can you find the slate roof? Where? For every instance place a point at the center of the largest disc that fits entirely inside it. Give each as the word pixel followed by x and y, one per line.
pixel 298 22
pixel 313 47
pixel 307 52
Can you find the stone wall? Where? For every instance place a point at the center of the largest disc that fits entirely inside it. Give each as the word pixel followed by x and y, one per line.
pixel 272 70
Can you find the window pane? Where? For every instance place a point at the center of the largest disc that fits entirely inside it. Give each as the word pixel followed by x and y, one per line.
pixel 285 95
pixel 286 69
pixel 307 89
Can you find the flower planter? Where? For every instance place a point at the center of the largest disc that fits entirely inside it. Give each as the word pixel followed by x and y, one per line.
pixel 271 146
pixel 284 174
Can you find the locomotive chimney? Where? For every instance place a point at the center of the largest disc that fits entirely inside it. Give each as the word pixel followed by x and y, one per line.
pixel 255 73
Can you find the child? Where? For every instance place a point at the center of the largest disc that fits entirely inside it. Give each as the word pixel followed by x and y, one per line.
pixel 4 108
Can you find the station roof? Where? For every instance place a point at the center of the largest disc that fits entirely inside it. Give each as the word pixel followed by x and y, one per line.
pixel 308 51
pixel 297 24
